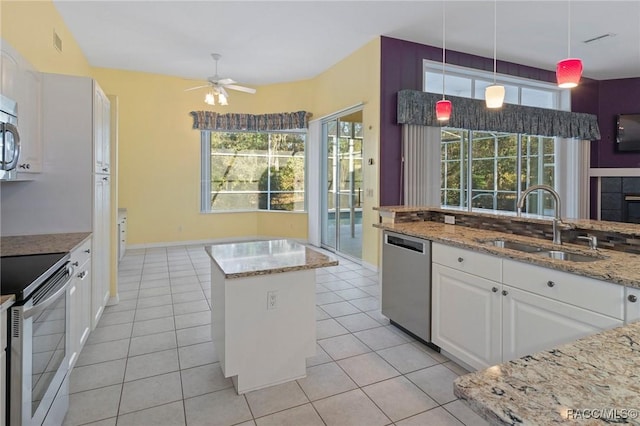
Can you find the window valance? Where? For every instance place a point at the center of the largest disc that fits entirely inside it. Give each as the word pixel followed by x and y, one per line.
pixel 209 120
pixel 415 107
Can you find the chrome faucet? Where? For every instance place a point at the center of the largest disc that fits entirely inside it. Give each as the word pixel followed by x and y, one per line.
pixel 557 237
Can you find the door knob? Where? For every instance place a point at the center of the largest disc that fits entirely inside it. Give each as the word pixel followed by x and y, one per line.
pixel 632 298
pixel 494 289
pixel 550 284
pixel 505 292
pixel 460 260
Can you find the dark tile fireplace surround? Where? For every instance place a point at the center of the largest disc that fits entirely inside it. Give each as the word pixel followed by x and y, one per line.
pixel 620 199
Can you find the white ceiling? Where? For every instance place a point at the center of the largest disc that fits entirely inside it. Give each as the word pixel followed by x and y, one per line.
pixel 266 42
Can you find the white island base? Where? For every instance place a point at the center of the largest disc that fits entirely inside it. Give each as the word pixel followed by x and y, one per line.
pixel 263 323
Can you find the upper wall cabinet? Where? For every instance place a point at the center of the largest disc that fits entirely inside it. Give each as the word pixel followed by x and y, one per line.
pixel 22 83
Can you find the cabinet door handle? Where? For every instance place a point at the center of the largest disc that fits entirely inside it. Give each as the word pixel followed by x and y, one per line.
pixel 105 178
pixel 87 251
pixel 75 263
pixel 505 292
pixel 82 274
pixel 550 284
pixel 26 166
pixel 632 298
pixel 494 289
pixel 460 260
pixel 105 169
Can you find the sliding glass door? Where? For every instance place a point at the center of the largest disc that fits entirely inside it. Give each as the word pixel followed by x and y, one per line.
pixel 343 185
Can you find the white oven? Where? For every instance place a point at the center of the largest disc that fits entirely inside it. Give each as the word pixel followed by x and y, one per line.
pixel 9 138
pixel 38 344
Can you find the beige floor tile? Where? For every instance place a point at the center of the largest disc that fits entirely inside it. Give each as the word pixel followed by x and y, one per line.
pixel 101 352
pixel 93 405
pixel 190 307
pixel 110 333
pixel 275 398
pixel 407 358
pixel 436 417
pixel 97 375
pixel 222 408
pixel 352 408
pixel 328 297
pixel 358 322
pixel 436 381
pixel 204 379
pixel 152 364
pixel 466 415
pixel 149 302
pixel 398 398
pixel 159 325
pixel 321 357
pixel 162 311
pixel 367 368
pixel 340 309
pixel 113 318
pixel 193 319
pixel 195 355
pixel 152 343
pixel 329 328
pixel 194 335
pixel 343 346
pixel 150 392
pixel 164 415
pixel 305 415
pixel 366 303
pixel 381 337
pixel 325 380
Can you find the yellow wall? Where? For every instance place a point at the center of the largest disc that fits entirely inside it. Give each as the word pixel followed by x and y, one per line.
pixel 28 27
pixel 159 152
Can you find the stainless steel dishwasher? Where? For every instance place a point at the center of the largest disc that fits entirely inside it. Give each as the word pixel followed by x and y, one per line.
pixel 406 283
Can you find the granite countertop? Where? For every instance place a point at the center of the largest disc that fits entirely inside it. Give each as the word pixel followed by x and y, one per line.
pixel 6 302
pixel 612 266
pixel 598 372
pixel 251 258
pixel 594 225
pixel 39 244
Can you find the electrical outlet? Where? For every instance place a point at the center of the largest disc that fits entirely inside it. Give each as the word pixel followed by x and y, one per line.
pixel 272 299
pixel 451 220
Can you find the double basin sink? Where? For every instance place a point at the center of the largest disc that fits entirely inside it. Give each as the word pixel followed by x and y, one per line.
pixel 543 252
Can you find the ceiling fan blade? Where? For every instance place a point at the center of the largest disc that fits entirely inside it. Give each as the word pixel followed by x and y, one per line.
pixel 240 88
pixel 197 87
pixel 226 81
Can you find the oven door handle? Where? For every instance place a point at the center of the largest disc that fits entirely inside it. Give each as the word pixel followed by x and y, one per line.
pixel 44 304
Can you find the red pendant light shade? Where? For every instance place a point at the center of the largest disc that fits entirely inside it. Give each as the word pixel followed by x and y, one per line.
pixel 568 72
pixel 443 110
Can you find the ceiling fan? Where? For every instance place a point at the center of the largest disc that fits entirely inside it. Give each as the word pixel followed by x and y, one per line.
pixel 218 86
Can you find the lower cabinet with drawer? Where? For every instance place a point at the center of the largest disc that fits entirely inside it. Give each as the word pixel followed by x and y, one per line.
pixel 483 321
pixel 80 300
pixel 3 364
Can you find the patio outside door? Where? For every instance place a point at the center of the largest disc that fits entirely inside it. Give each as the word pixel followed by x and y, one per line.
pixel 343 185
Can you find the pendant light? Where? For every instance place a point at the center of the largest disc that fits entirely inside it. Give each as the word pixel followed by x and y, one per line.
pixel 569 71
pixel 443 107
pixel 494 94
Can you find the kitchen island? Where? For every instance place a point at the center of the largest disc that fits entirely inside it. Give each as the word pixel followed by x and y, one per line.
pixel 587 381
pixel 263 310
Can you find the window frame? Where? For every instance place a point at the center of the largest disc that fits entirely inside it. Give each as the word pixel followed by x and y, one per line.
pixel 206 178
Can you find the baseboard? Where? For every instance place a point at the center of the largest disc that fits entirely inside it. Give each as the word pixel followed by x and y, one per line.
pixel 113 300
pixel 370 266
pixel 197 242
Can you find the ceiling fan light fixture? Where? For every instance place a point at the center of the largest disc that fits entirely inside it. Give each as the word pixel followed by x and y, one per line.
pixel 222 99
pixel 210 99
pixel 568 72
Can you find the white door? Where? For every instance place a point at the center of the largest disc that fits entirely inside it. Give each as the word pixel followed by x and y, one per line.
pixel 466 317
pixel 100 281
pixel 532 323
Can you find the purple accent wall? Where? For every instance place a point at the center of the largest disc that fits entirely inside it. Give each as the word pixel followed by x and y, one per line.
pixel 401 68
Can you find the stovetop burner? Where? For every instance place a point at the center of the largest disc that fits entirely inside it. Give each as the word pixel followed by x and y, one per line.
pixel 21 275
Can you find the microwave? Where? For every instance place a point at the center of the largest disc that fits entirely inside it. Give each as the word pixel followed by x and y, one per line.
pixel 9 138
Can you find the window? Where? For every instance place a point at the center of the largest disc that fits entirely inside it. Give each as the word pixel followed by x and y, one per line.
pixel 244 171
pixel 496 167
pixel 489 170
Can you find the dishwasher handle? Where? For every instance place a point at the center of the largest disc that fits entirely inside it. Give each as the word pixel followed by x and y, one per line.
pixel 405 243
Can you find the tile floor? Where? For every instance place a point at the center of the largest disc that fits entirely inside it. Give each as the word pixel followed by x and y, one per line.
pixel 151 362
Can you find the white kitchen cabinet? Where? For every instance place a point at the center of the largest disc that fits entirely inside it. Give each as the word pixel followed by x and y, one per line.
pixel 531 323
pixel 80 300
pixel 21 82
pixel 632 304
pixel 466 316
pixel 3 363
pixel 101 247
pixel 483 322
pixel 101 138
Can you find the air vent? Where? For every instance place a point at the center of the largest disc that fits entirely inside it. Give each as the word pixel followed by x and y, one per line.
pixel 57 41
pixel 598 38
pixel 15 323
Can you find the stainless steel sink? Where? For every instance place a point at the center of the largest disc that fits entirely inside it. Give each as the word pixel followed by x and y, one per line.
pixel 563 255
pixel 514 245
